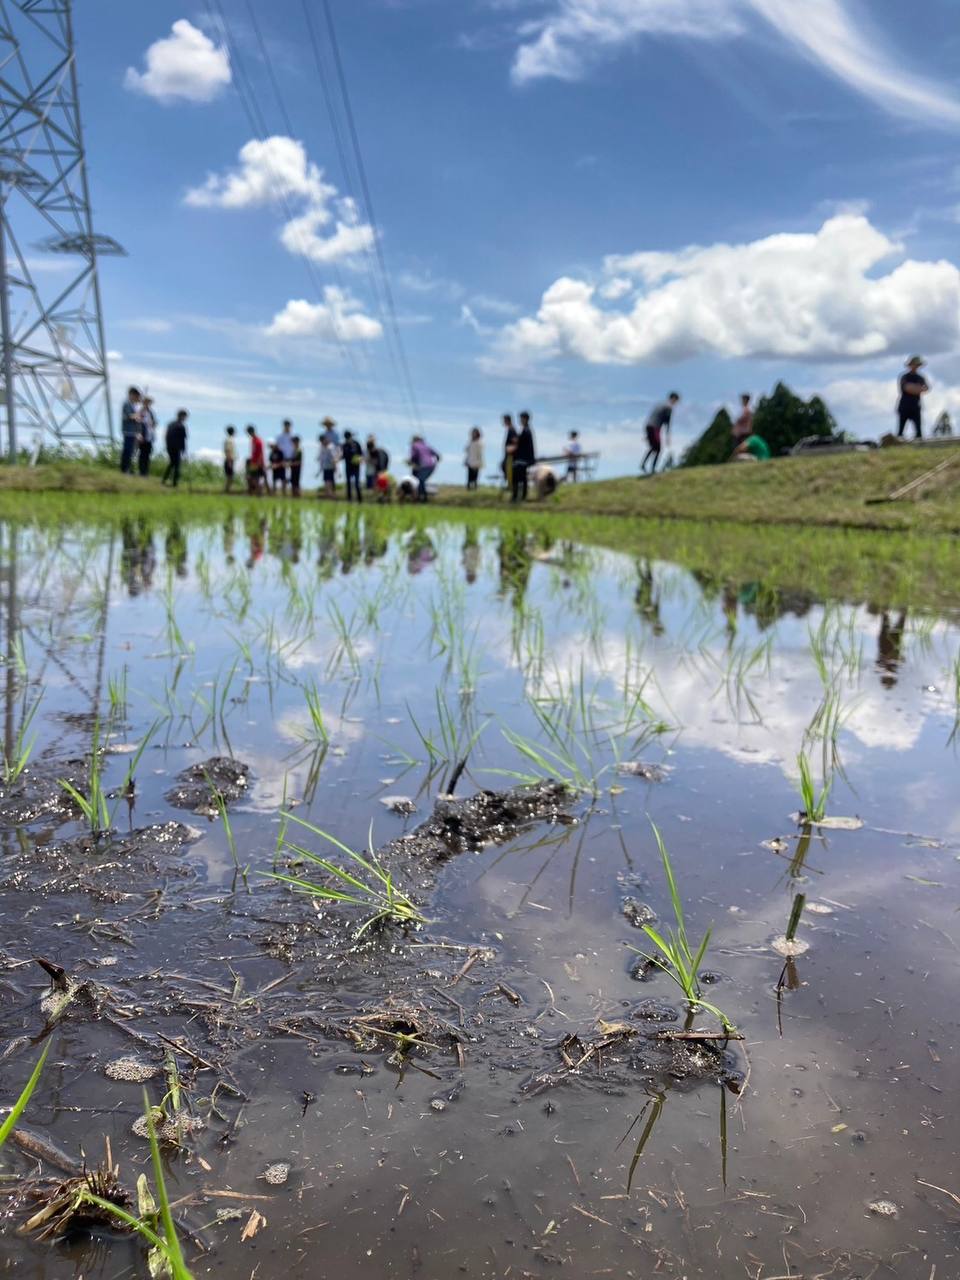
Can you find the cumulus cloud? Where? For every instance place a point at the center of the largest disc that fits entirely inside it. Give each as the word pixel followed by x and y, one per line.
pixel 812 296
pixel 339 318
pixel 576 33
pixel 277 171
pixel 186 65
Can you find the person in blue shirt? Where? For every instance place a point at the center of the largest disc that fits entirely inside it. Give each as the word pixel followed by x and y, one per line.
pixel 130 420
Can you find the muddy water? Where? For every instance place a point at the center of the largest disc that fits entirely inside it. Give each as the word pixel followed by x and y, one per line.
pixel 483 1154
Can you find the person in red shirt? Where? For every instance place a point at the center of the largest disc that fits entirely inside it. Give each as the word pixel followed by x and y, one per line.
pixel 256 473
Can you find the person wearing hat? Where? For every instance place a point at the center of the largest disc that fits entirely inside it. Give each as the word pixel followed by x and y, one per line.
pixel 913 385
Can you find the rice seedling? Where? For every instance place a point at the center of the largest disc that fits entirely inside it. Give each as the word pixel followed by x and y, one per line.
pixel 316 730
pixel 814 802
pixel 655 1106
pixel 14 764
pixel 128 787
pixel 93 805
pixel 799 903
pixel 561 765
pixel 155 1223
pixel 372 888
pixel 676 957
pixel 117 694
pixel 26 1093
pixel 453 743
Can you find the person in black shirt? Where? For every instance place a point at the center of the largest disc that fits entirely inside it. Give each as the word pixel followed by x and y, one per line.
pixel 524 456
pixel 176 447
pixel 657 423
pixel 296 467
pixel 509 449
pixel 913 385
pixel 352 456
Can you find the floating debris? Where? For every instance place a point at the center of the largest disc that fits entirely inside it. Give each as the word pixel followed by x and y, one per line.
pixel 132 1070
pixel 790 948
pixel 401 805
pixel 637 769
pixel 277 1174
pixel 883 1209
pixel 638 913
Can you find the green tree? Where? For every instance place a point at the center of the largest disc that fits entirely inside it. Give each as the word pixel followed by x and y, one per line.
pixel 781 418
pixel 715 445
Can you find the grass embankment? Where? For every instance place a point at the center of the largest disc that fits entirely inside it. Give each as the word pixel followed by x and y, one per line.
pixel 831 492
pixel 811 491
pixel 907 569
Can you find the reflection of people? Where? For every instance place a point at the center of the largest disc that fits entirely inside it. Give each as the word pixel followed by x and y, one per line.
pixel 658 423
pixel 647 597
pixel 471 555
pixel 913 386
pixel 890 648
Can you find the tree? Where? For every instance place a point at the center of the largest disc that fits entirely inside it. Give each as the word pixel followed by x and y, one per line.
pixel 715 445
pixel 781 418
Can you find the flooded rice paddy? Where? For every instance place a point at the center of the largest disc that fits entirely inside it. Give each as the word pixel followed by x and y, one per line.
pixel 498 1084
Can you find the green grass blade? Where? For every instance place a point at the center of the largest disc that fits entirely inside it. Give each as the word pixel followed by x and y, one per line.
pixel 26 1094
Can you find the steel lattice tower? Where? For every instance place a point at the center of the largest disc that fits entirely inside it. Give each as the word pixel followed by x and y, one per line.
pixel 54 360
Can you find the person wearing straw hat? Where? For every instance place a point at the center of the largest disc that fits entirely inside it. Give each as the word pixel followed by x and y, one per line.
pixel 913 386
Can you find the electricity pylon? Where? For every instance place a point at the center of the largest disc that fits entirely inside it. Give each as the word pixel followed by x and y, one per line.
pixel 54 361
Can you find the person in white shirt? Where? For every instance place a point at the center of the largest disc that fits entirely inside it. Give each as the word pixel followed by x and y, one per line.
pixel 474 457
pixel 573 451
pixel 285 441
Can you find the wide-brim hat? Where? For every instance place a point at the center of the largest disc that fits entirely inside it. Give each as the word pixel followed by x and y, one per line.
pixel 916 362
pixel 328 422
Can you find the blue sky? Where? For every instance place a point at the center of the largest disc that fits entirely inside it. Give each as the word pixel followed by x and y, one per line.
pixel 582 205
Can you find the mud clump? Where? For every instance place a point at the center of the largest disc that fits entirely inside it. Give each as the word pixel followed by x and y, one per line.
pixel 106 867
pixel 37 793
pixel 489 817
pixel 638 913
pixel 198 786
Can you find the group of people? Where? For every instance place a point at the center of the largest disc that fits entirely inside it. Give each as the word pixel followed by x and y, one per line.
pixel 138 424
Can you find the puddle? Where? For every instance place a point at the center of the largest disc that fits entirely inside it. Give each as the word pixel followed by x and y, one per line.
pixel 496 723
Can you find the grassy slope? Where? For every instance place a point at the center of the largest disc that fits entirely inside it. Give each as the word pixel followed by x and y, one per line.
pixel 806 490
pixel 809 491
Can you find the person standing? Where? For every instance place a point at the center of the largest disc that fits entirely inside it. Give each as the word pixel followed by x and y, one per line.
pixel 285 441
pixel 657 424
pixel 509 449
pixel 524 456
pixel 913 386
pixel 148 435
pixel 423 463
pixel 371 463
pixel 296 467
pixel 129 429
pixel 256 474
pixel 278 468
pixel 328 457
pixel 474 457
pixel 229 458
pixel 176 447
pixel 743 426
pixel 352 457
pixel 573 452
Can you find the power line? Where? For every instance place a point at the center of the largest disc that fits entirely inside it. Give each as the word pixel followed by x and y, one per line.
pixel 258 125
pixel 367 201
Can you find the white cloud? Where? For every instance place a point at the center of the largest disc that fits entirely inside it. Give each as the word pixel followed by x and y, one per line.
pixel 578 32
pixel 339 318
pixel 186 65
pixel 277 171
pixel 813 296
